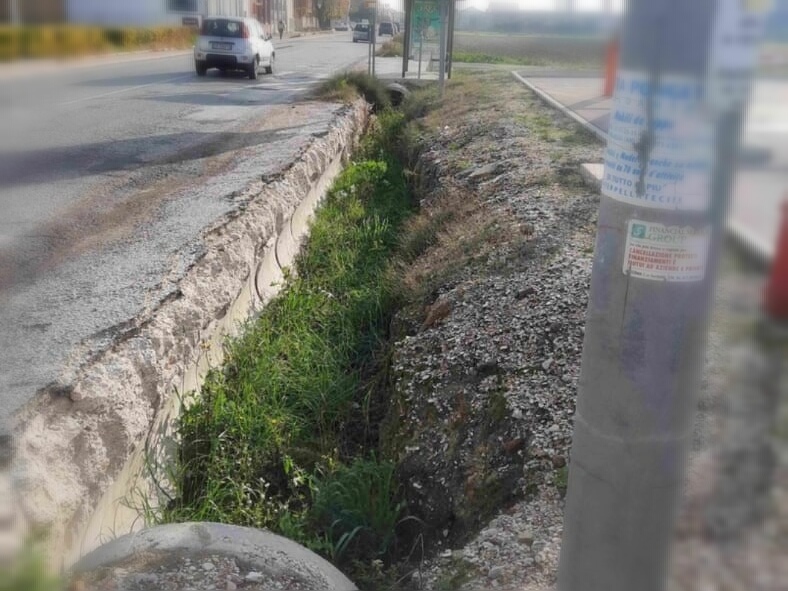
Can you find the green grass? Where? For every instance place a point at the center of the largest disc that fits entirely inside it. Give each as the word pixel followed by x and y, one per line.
pixel 28 572
pixel 473 57
pixel 562 480
pixel 357 507
pixel 280 436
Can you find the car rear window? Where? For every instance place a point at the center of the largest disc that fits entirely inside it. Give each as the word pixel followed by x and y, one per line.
pixel 362 27
pixel 220 27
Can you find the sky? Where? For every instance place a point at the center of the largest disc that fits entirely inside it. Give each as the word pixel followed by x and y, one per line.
pixel 549 4
pixel 526 4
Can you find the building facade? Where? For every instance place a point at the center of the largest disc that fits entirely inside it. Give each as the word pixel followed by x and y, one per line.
pixel 34 11
pixel 146 13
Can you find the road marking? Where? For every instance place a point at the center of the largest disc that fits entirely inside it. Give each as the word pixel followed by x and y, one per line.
pixel 122 90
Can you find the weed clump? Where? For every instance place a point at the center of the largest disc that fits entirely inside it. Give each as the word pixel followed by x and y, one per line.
pixel 392 47
pixel 346 86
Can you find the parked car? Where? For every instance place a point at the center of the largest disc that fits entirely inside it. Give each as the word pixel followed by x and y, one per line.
pixel 361 32
pixel 233 43
pixel 341 26
pixel 386 28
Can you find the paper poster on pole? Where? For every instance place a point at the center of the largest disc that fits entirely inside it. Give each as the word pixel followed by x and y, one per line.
pixel 666 253
pixel 733 54
pixel 660 148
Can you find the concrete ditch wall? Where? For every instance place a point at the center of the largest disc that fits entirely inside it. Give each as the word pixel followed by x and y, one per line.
pixel 83 450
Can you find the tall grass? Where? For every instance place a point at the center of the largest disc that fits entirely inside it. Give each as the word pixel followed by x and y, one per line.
pixel 276 437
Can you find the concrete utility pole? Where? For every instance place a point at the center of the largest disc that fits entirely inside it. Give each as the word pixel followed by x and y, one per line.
pixel 668 171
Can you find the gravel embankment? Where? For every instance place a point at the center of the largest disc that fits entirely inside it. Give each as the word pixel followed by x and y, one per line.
pixel 506 322
pixel 505 329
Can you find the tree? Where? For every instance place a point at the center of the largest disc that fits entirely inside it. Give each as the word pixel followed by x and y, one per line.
pixel 325 10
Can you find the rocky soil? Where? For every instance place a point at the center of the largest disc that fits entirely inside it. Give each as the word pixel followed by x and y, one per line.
pixel 196 572
pixel 487 360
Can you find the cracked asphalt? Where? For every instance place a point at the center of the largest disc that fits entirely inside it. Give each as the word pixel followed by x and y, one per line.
pixel 109 173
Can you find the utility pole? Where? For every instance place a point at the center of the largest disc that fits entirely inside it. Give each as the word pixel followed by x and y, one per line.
pixel 14 13
pixel 673 141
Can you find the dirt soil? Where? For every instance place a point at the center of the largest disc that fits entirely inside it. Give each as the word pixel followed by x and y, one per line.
pixel 487 362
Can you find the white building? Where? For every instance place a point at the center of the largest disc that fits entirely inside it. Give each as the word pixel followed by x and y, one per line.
pixel 145 13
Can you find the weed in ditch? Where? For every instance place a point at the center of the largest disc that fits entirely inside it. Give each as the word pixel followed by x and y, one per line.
pixel 346 86
pixel 273 439
pixel 356 507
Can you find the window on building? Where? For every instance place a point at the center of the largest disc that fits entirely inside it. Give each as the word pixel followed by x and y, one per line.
pixel 182 5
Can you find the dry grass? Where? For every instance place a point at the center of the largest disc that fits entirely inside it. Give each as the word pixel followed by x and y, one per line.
pixel 391 48
pixel 457 233
pixel 532 49
pixel 467 93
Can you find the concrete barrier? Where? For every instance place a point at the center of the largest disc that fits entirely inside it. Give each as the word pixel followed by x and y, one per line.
pixel 86 450
pixel 262 558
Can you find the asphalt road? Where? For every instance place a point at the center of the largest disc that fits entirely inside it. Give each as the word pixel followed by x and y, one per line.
pixel 109 171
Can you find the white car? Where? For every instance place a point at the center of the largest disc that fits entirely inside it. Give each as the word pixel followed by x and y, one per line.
pixel 233 43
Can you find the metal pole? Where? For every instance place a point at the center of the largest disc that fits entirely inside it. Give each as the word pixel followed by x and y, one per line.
pixel 407 38
pixel 450 50
pixel 442 62
pixel 648 312
pixel 369 52
pixel 15 13
pixel 421 50
pixel 374 35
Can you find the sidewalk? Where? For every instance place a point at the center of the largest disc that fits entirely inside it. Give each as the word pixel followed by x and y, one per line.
pixel 760 187
pixel 389 68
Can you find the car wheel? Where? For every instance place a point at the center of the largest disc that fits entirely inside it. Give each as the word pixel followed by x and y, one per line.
pixel 254 68
pixel 200 68
pixel 269 69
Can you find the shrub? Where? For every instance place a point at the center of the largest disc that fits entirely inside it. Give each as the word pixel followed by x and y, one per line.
pixel 74 40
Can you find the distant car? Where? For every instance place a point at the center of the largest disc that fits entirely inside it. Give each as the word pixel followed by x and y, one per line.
pixel 233 43
pixel 386 28
pixel 341 27
pixel 361 32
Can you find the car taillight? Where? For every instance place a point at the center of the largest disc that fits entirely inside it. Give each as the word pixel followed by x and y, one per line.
pixel 244 31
